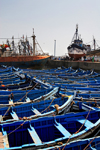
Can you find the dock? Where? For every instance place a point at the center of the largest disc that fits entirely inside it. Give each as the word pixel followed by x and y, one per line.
pixel 86 65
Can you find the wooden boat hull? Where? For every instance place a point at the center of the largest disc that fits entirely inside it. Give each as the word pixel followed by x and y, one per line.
pixel 24 61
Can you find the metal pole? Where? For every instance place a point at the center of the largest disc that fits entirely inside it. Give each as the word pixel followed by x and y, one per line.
pixel 54 48
pixel 13 42
pixel 33 43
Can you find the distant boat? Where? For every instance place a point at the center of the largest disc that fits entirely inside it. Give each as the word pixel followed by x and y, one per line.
pixel 23 55
pixel 77 49
pixel 95 51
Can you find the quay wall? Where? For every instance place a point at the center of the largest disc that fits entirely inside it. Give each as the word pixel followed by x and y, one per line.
pixel 74 64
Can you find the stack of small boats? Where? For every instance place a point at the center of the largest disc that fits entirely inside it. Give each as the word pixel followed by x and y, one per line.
pixel 49 109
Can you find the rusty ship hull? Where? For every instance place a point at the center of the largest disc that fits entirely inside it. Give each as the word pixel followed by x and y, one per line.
pixel 24 61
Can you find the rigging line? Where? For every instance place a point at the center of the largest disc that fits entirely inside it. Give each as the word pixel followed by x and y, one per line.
pixel 15 38
pixel 89 42
pixel 39 46
pixel 98 40
pixel 10 38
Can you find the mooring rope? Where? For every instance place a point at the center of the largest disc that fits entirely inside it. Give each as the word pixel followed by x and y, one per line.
pixel 27 92
pixel 6 112
pixel 89 143
pixel 16 128
pixel 78 130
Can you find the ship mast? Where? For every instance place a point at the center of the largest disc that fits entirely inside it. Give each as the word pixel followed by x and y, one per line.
pixel 94 43
pixel 76 31
pixel 76 37
pixel 13 42
pixel 33 36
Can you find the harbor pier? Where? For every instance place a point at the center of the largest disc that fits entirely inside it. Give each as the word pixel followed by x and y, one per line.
pixel 86 65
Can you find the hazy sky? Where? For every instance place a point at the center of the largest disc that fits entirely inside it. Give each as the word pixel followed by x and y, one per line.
pixel 51 20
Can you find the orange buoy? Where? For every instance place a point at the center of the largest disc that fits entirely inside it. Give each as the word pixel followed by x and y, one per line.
pixel 3 85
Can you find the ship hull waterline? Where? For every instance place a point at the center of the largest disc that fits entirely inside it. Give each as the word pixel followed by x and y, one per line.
pixel 24 61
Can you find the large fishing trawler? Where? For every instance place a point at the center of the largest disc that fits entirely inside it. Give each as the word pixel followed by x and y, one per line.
pixel 77 48
pixel 22 55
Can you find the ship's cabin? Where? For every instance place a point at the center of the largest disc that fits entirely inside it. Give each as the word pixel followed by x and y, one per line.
pixel 78 42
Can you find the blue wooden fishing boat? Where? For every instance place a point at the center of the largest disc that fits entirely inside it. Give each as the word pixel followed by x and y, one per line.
pixel 49 131
pixel 85 106
pixel 29 83
pixel 9 74
pixel 12 77
pixel 56 71
pixel 38 109
pixel 79 88
pixel 76 77
pixel 80 104
pixel 24 96
pixel 91 78
pixel 16 78
pixel 26 84
pixel 38 89
pixel 90 99
pixel 94 85
pixel 87 96
pixel 89 81
pixel 37 84
pixel 23 114
pixel 92 143
pixel 12 82
pixel 5 69
pixel 78 73
pixel 70 85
